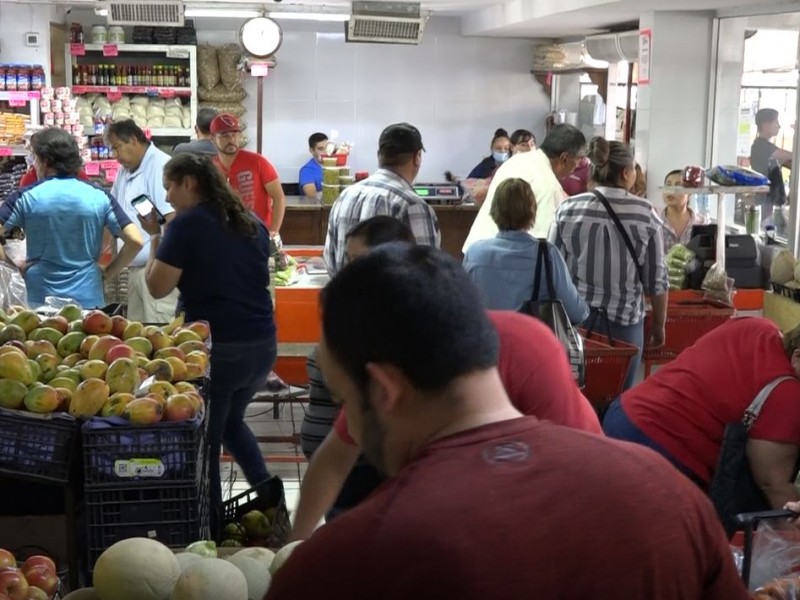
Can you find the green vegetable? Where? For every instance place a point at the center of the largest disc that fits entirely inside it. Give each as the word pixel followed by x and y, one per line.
pixel 204 548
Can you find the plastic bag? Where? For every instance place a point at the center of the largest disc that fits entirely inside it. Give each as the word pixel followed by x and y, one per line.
pixel 207 66
pixel 718 286
pixel 776 553
pixel 735 175
pixel 13 291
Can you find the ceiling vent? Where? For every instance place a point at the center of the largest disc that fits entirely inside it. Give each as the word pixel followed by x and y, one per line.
pixel 564 57
pixel 614 47
pixel 155 14
pixel 385 23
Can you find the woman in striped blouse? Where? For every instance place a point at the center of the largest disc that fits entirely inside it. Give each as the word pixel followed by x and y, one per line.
pixel 608 274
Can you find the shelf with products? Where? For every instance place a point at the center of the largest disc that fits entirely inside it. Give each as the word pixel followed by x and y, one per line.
pixel 155 85
pixel 19 111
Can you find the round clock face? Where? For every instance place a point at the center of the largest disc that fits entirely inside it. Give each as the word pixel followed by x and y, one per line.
pixel 261 37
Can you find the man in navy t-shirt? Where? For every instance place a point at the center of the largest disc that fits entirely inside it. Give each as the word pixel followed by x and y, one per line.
pixel 310 179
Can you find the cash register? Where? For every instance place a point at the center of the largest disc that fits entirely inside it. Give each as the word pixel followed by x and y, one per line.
pixel 742 261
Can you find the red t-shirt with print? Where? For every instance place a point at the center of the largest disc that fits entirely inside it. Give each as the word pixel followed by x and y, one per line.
pixel 248 175
pixel 685 406
pixel 535 373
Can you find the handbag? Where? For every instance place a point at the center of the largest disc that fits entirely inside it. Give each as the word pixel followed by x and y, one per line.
pixel 733 488
pixel 553 314
pixel 625 237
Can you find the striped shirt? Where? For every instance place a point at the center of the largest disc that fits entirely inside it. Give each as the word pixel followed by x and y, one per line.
pixel 671 238
pixel 598 259
pixel 383 193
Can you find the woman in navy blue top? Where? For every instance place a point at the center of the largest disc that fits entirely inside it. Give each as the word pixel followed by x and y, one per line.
pixel 503 267
pixel 216 253
pixel 501 150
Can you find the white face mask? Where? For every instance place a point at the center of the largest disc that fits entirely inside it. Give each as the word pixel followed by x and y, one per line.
pixel 500 157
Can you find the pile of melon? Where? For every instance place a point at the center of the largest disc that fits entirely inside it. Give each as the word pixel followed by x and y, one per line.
pixel 144 569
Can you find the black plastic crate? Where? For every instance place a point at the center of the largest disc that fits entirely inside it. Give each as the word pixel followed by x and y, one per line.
pixel 36 447
pixel 267 496
pixel 116 453
pixel 787 292
pixel 176 516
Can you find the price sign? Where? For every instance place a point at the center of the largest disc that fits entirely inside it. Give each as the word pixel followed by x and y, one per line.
pixel 111 175
pixel 92 169
pixel 177 52
pixel 34 95
pixel 167 93
pixel 17 98
pixel 114 96
pixel 110 50
pixel 6 151
pixel 77 50
pixel 259 70
pixel 148 133
pixel 109 164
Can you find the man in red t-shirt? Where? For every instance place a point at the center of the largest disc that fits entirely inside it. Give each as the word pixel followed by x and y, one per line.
pixel 681 411
pixel 536 376
pixel 483 502
pixel 30 177
pixel 249 174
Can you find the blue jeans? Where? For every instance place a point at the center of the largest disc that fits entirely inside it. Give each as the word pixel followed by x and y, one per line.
pixel 617 425
pixel 238 370
pixel 633 334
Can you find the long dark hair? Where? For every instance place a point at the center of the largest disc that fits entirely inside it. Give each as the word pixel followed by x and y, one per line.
pixel 215 191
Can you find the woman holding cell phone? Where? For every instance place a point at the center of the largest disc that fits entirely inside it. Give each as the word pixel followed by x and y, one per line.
pixel 216 252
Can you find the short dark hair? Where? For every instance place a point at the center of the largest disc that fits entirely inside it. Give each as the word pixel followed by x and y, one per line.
pixel 514 205
pixel 126 131
pixel 609 160
pixel 563 138
pixel 204 118
pixel 499 134
pixel 413 307
pixel 673 172
pixel 522 135
pixel 381 230
pixel 316 138
pixel 766 115
pixel 58 151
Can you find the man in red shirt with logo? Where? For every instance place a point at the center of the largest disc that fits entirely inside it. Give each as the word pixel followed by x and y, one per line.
pixel 483 502
pixel 249 174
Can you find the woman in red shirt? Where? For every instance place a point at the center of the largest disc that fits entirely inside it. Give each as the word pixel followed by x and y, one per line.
pixel 681 411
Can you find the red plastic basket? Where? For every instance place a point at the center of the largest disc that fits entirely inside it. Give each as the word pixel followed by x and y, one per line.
pixel 607 366
pixel 686 323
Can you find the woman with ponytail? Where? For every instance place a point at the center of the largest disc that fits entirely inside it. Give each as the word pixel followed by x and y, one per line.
pixel 216 253
pixel 478 180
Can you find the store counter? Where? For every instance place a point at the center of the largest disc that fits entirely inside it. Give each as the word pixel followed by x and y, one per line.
pixel 306 223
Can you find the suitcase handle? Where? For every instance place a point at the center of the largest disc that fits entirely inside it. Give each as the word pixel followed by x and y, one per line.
pixel 748 522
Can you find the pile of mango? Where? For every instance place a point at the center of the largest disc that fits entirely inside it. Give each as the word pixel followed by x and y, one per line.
pixel 94 365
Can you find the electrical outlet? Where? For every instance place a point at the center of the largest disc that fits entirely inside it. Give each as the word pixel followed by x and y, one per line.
pixel 32 38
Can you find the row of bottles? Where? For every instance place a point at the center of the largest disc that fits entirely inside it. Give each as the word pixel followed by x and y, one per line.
pixel 131 75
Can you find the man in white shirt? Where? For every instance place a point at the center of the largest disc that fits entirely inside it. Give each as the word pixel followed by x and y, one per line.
pixel 141 173
pixel 557 157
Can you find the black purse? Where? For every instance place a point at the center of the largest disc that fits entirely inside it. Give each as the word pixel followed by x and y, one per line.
pixel 552 313
pixel 733 489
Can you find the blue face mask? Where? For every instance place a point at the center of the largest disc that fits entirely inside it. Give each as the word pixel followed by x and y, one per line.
pixel 500 157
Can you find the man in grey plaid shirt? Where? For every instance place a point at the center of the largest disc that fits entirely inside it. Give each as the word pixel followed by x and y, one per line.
pixel 388 191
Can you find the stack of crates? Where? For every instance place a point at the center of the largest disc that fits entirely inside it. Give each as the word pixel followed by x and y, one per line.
pixel 145 481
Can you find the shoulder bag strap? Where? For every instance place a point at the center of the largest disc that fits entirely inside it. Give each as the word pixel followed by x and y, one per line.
pixel 752 412
pixel 626 238
pixel 548 269
pixel 537 274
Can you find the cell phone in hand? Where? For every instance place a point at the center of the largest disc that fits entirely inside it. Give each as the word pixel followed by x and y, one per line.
pixel 144 206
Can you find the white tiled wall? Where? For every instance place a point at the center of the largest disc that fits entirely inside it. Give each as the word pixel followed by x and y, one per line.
pixel 456 90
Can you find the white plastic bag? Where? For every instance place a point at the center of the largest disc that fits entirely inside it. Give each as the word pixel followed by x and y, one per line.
pixel 776 552
pixel 13 291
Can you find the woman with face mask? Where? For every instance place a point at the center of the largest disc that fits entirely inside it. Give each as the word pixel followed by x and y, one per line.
pixel 480 177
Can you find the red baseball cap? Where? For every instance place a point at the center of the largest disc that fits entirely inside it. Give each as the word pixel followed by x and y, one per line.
pixel 224 123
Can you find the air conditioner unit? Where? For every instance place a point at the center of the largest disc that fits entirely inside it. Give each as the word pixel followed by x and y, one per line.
pixel 385 23
pixel 564 57
pixel 614 47
pixel 154 13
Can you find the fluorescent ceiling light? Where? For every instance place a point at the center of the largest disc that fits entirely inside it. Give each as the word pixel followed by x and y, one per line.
pixel 101 12
pixel 309 16
pixel 232 13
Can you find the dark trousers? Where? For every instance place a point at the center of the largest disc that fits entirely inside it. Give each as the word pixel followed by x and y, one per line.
pixel 238 370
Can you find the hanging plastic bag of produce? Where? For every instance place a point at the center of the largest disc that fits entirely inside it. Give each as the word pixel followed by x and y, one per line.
pixel 13 291
pixel 776 552
pixel 718 286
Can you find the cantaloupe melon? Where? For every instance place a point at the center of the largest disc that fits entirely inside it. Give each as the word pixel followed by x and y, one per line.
pixel 136 569
pixel 264 555
pixel 282 556
pixel 82 594
pixel 256 574
pixel 210 579
pixel 187 558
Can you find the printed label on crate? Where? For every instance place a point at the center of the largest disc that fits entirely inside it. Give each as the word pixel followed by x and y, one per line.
pixel 177 52
pixel 111 175
pixel 77 49
pixel 92 169
pixel 6 151
pixel 110 50
pixel 139 467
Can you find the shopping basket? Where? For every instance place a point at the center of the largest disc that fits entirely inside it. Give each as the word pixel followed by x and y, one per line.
pixel 607 362
pixel 687 321
pixel 744 540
